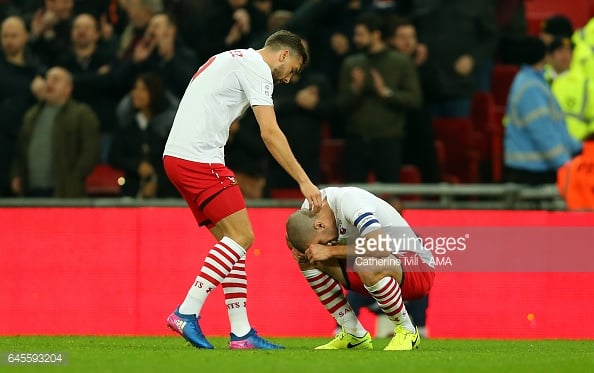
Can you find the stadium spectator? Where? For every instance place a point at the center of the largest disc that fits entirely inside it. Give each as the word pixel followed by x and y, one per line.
pixel 512 28
pixel 138 144
pixel 220 91
pixel 18 68
pixel 583 53
pixel 573 90
pixel 51 29
pixel 536 141
pixel 557 26
pixel 377 86
pixel 58 145
pixel 230 24
pixel 327 245
pixel 301 108
pixel 575 179
pixel 245 155
pixel 419 147
pixel 559 54
pixel 461 38
pixel 139 14
pixel 162 52
pixel 90 66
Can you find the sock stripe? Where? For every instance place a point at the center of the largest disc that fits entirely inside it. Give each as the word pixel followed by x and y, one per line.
pixel 318 282
pixel 213 272
pixel 211 280
pixel 322 284
pixel 217 263
pixel 223 246
pixel 330 298
pixel 388 297
pixel 329 289
pixel 342 303
pixel 384 290
pixel 236 278
pixel 316 278
pixel 235 296
pixel 217 250
pixel 234 285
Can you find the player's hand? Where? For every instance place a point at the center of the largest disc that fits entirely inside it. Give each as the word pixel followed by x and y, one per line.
pixel 318 253
pixel 313 195
pixel 299 256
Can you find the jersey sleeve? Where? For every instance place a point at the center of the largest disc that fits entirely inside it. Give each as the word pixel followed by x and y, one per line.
pixel 361 216
pixel 257 85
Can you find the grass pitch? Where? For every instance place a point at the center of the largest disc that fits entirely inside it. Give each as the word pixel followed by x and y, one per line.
pixel 170 354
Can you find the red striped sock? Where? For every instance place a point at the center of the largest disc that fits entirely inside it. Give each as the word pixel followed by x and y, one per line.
pixel 330 294
pixel 217 265
pixel 235 289
pixel 387 294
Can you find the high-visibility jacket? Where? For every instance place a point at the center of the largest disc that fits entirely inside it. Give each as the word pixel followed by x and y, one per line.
pixel 583 51
pixel 575 179
pixel 575 94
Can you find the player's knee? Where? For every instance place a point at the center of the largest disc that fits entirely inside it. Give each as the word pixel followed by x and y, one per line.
pixel 370 278
pixel 245 238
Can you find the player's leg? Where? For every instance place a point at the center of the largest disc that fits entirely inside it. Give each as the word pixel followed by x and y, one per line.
pixel 383 284
pixel 214 198
pixel 238 228
pixel 325 279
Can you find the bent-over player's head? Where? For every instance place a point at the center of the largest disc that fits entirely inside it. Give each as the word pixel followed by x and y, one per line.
pixel 305 228
pixel 289 55
pixel 300 229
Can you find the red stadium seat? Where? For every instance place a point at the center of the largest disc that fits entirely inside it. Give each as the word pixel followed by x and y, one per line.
pixel 578 11
pixel 483 113
pixel 331 161
pixel 502 78
pixel 104 181
pixel 460 142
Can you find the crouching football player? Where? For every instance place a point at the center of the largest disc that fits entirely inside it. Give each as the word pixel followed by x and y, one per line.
pixel 341 245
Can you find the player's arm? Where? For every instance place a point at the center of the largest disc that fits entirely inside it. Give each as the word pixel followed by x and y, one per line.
pixel 367 245
pixel 279 148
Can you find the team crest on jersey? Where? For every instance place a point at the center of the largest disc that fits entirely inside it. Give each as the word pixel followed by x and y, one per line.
pixel 267 89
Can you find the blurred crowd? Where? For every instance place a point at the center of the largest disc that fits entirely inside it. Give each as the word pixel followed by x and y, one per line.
pixel 89 82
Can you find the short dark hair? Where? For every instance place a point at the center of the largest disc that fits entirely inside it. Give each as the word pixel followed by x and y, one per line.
pixel 372 22
pixel 286 39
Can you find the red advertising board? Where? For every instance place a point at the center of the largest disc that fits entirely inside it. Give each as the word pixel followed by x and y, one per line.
pixel 121 271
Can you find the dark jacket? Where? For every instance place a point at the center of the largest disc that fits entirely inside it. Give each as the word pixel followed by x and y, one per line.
pixel 15 99
pixel 94 89
pixel 131 145
pixel 451 29
pixel 75 147
pixel 368 115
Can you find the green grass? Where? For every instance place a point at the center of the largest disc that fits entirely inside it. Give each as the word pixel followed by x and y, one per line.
pixel 170 354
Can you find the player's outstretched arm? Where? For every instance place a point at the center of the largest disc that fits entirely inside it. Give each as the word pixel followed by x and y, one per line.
pixel 278 146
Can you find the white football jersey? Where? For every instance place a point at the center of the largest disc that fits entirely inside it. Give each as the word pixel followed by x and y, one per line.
pixel 219 92
pixel 359 212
